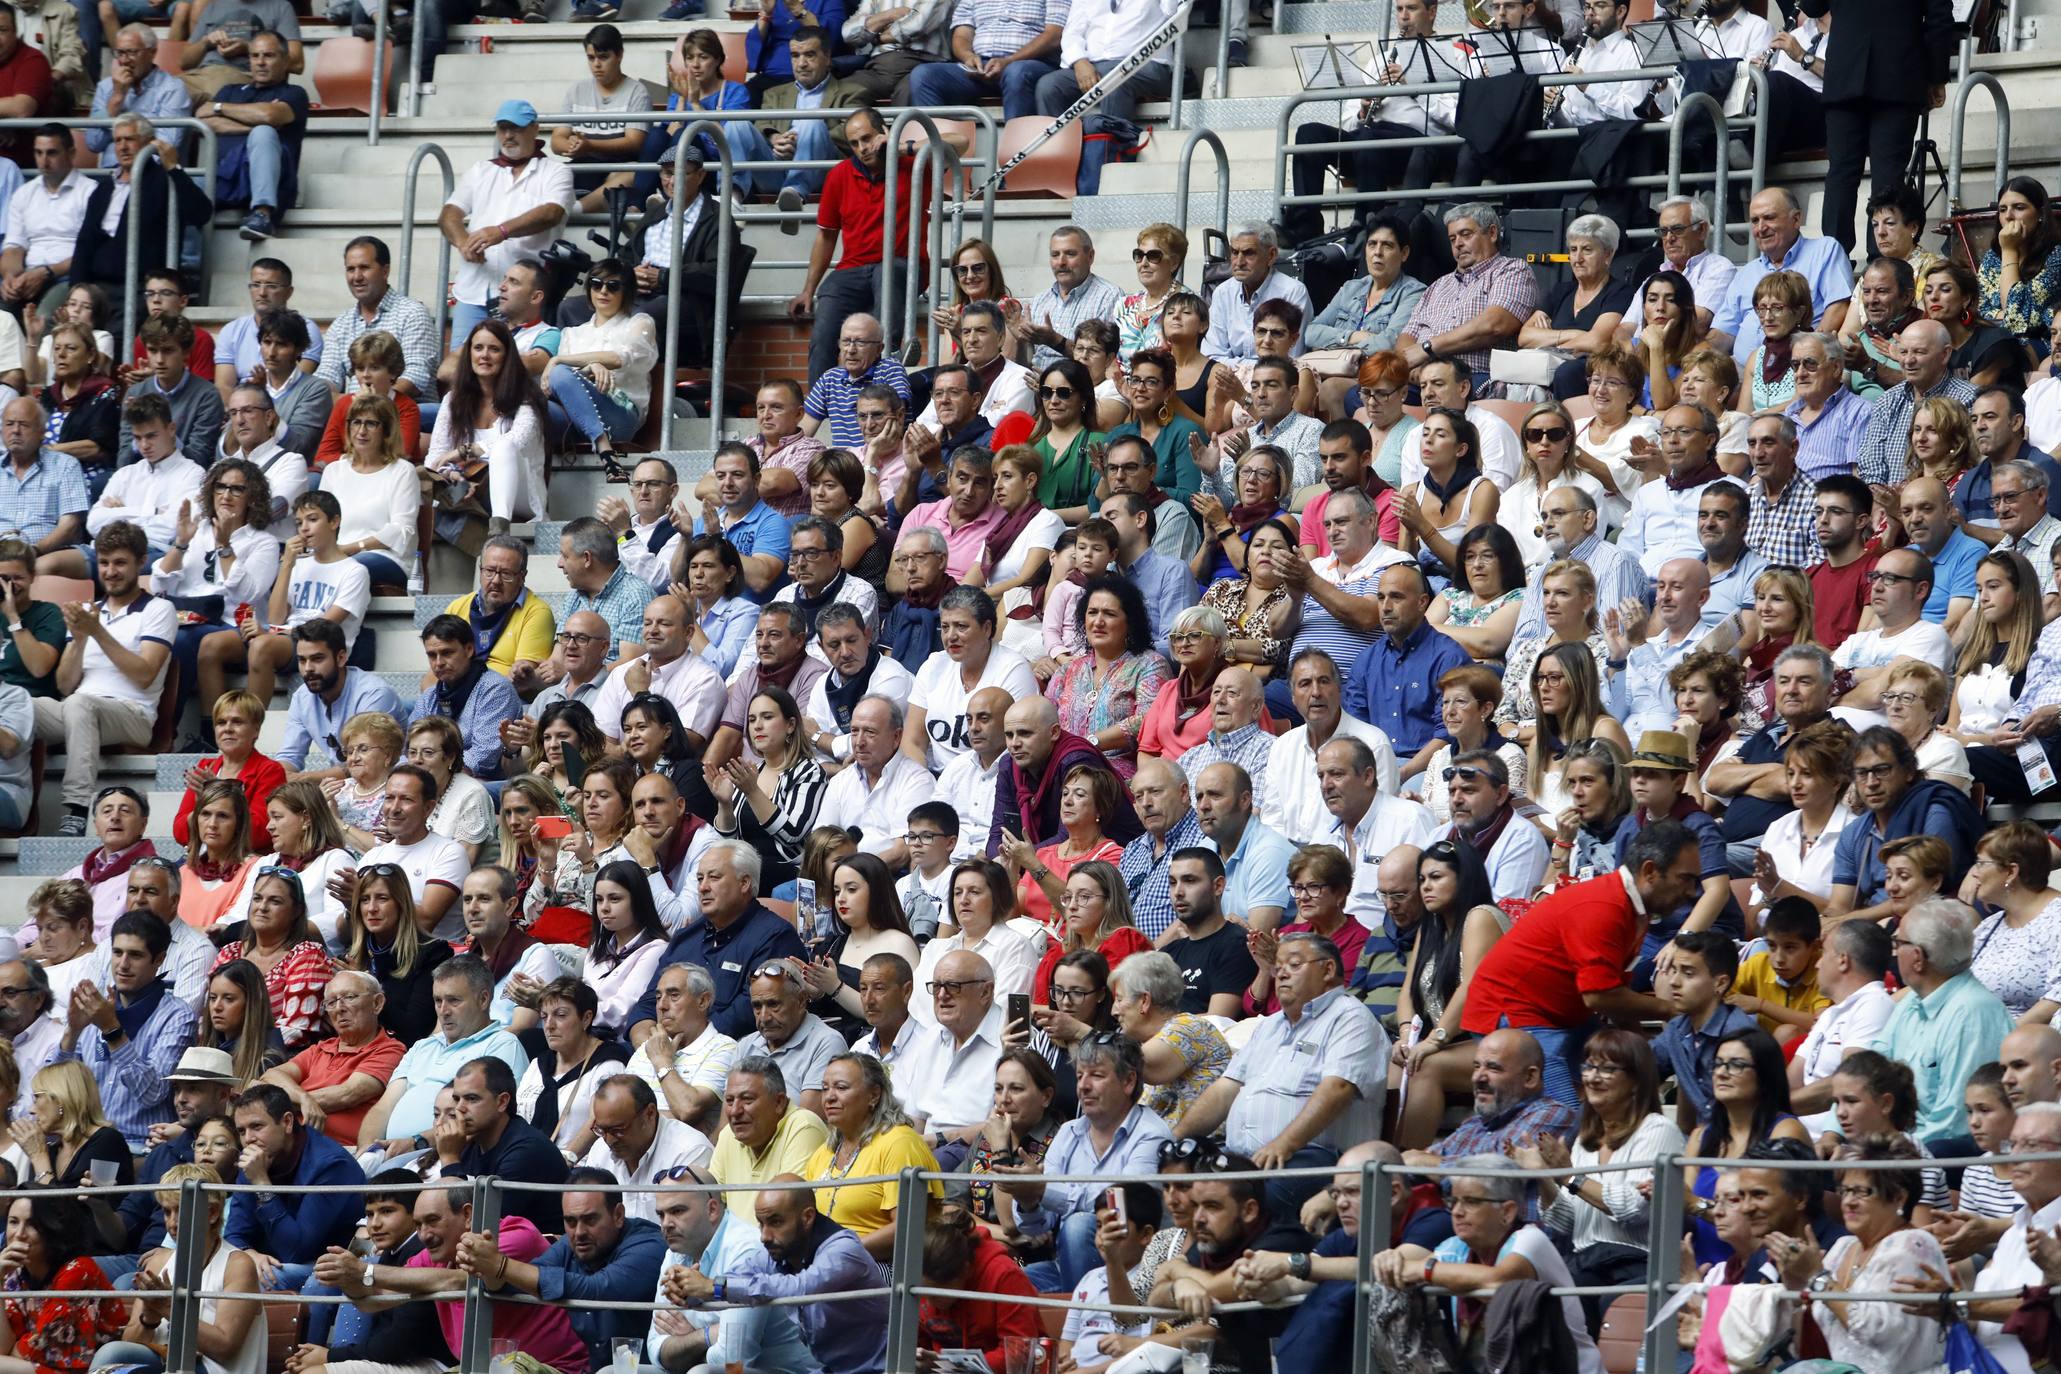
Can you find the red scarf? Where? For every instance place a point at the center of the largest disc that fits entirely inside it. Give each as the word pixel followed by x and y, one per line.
pixel 1485 838
pixel 513 946
pixel 783 678
pixel 1190 704
pixel 1003 536
pixel 199 865
pixel 926 601
pixel 536 151
pixel 1705 472
pixel 1245 519
pixel 97 867
pixel 1774 359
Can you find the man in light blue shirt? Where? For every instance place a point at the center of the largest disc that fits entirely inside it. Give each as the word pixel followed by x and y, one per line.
pixel 1950 1023
pixel 1570 517
pixel 1114 1134
pixel 236 345
pixel 1252 283
pixel 1928 516
pixel 1255 856
pixel 700 1230
pixel 136 85
pixel 1639 693
pixel 331 692
pixel 1775 217
pixel 461 990
pixel 1722 515
pixel 1165 583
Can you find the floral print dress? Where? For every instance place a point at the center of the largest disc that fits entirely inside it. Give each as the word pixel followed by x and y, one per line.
pixel 62 1335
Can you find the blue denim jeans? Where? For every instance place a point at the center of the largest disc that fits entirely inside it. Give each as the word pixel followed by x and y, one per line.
pixel 590 411
pixel 1562 1049
pixel 1073 1256
pixel 465 317
pixel 948 83
pixel 812 143
pixel 383 571
pixel 264 154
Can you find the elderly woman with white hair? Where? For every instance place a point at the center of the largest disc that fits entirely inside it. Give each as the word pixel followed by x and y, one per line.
pixel 1584 312
pixel 1184 1052
pixel 1179 717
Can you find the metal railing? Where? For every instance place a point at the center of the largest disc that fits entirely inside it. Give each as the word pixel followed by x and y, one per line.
pixel 1672 178
pixel 905 1284
pixel 914 248
pixel 1957 138
pixel 411 179
pixel 1187 169
pixel 719 345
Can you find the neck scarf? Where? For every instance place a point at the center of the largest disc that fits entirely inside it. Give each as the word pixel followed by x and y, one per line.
pixel 451 698
pixel 1774 359
pixel 135 1013
pixel 545 1117
pixel 1485 838
pixel 1192 702
pixel 1465 474
pixel 844 696
pixel 1897 325
pixel 1013 523
pixel 208 870
pixel 1704 472
pixel 487 627
pixel 782 678
pixel 811 606
pixel 513 946
pixel 100 865
pixel 926 601
pixel 518 163
pixel 1246 518
pixel 661 534
pixel 1709 742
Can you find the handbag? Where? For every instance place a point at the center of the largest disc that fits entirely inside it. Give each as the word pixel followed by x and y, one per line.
pixel 1333 362
pixel 1525 366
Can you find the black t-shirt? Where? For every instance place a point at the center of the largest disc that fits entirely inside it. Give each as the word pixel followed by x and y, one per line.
pixel 1614 299
pixel 1216 963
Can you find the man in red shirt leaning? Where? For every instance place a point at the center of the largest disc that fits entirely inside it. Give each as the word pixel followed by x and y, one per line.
pixel 1566 964
pixel 854 205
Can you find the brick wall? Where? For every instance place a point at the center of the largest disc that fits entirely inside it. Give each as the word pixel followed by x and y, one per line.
pixel 768 348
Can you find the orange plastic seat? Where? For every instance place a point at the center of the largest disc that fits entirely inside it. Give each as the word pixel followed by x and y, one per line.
pixel 736 66
pixel 168 56
pixel 1623 1337
pixel 344 73
pixel 58 590
pixel 1511 413
pixel 960 133
pixel 1050 171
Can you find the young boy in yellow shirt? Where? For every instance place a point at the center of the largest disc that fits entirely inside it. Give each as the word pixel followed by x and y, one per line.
pixel 1779 985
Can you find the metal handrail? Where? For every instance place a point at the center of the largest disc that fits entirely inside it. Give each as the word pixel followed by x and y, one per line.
pixel 1677 135
pixel 443 291
pixel 132 256
pixel 210 141
pixel 913 242
pixel 719 346
pixel 1956 140
pixel 1286 149
pixel 378 101
pixel 1216 146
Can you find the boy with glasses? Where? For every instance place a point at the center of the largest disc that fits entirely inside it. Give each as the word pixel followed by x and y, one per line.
pixel 164 293
pixel 1697 980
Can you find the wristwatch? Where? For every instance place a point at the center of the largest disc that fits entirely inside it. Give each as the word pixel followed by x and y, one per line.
pixel 369 1267
pixel 1573 1183
pixel 1299 1266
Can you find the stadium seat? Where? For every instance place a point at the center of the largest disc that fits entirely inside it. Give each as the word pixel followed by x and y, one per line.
pixel 285 1324
pixel 1052 169
pixel 946 128
pixel 1511 413
pixel 736 66
pixel 1623 1336
pixel 343 73
pixel 1579 407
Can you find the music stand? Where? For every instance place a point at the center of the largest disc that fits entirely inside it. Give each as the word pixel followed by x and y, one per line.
pixel 1425 60
pixel 1667 41
pixel 1503 51
pixel 1330 66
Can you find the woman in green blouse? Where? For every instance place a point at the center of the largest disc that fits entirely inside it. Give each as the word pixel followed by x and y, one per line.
pixel 1154 418
pixel 1064 439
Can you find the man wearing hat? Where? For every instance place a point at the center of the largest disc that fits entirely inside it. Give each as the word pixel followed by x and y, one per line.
pixel 202 1086
pixel 1659 773
pixel 505 207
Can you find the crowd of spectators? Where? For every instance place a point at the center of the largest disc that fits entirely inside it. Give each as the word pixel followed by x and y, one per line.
pixel 1203 733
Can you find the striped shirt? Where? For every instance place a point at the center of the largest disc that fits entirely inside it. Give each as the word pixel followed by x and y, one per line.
pixel 835 397
pixel 1460 297
pixel 404 317
pixel 1152 909
pixel 133 1090
pixel 621 603
pixel 1785 530
pixel 1000 27
pixel 1986 1195
pixel 1618 575
pixel 1828 444
pixel 32 502
pixel 1321 629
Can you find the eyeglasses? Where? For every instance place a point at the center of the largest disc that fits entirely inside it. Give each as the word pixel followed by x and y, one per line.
pixel 1858 1192
pixel 957 986
pixel 1872 771
pixel 1809 364
pixel 1180 1151
pixel 1060 994
pixel 923 836
pixel 576 639
pixel 1308 889
pixel 1899 698
pixel 383 871
pixel 649 484
pixel 970 269
pixel 232 489
pixel 604 283
pixel 1187 637
pixel 343 1000
pixel 1675 231
pixel 1879 575
pixel 154 861
pixel 2004 498
pixel 1055 393
pixel 1468 1200
pixel 1731 1066
pixel 1605 383
pixel 1550 434
pixel 2028 1147
pixel 1592 1068
pixel 1680 432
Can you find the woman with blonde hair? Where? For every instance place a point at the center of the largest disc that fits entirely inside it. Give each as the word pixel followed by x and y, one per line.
pixel 230 1333
pixel 976 276
pixel 1568 592
pixel 308 840
pixel 1568 701
pixel 67 1131
pixel 376 364
pixel 525 800
pixel 61 910
pixel 379 491
pixel 464 813
pixel 219 862
pixel 237 717
pixel 1781 616
pixel 1942 442
pixel 870 1137
pixel 1913 700
pixel 1796 855
pixel 1551 460
pixel 1996 646
pixel 2017 948
pixel 372 742
pixel 383 938
pixel 1161 253
pixel 1782 303
pixel 1709 378
pixel 1097 909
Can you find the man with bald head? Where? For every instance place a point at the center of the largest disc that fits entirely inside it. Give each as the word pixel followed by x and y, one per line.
pixel 1366 822
pixel 1161 796
pixel 1928 518
pixel 967 782
pixel 582 644
pixel 947 1083
pixel 1662 521
pixel 1643 650
pixel 1926 348
pixel 668 667
pixel 1039 753
pixel 659 814
pixel 1255 858
pixel 1510 1103
pixel 1775 220
pixel 1394 682
pixel 1236 702
pixel 1898 587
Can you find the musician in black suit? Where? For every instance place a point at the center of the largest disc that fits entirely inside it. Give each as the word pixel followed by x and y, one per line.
pixel 1873 101
pixel 647 249
pixel 101 254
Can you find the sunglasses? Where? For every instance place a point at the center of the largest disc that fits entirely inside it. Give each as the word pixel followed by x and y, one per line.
pixel 1465 771
pixel 1147 255
pixel 1055 393
pixel 970 269
pixel 1551 434
pixel 604 283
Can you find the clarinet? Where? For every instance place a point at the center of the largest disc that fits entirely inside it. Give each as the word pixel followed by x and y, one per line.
pixel 1554 93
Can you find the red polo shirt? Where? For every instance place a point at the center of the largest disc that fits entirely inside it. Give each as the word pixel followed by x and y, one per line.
pixel 854 203
pixel 1581 939
pixel 26 73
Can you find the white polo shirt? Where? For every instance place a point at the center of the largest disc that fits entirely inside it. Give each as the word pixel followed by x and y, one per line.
pixel 881 813
pixel 951 1085
pixel 490 194
pixel 432 859
pixel 146 620
pixel 676 1146
pixel 695 689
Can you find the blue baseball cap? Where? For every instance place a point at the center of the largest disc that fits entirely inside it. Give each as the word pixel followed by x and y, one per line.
pixel 520 113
